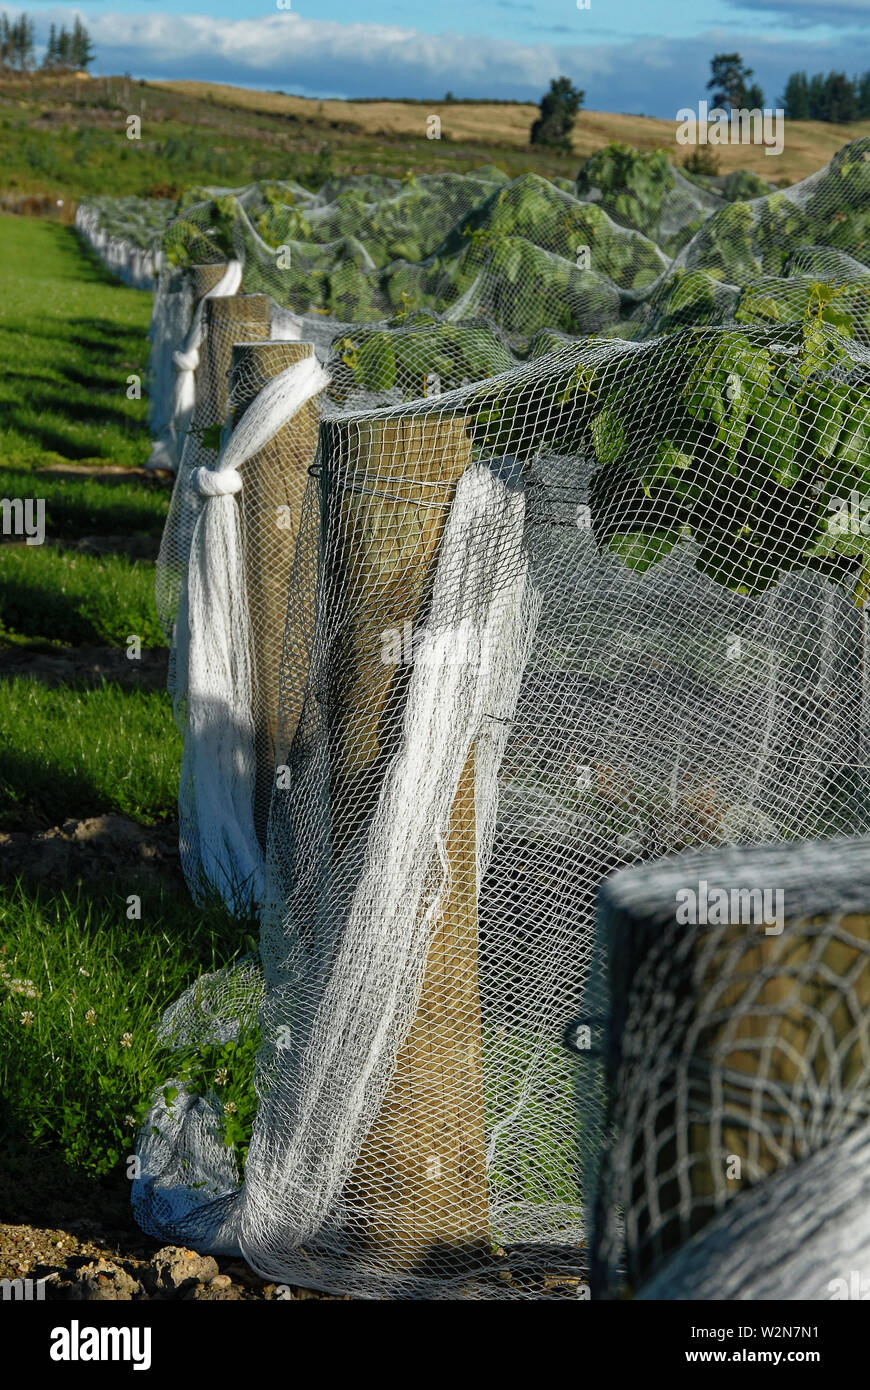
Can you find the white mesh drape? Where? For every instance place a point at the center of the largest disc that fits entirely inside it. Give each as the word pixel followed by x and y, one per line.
pixel 601 601
pixel 213 652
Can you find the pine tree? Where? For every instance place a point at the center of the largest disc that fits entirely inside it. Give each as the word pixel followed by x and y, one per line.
pixel 864 96
pixel 50 59
pixel 5 42
pixel 818 98
pixel 21 43
pixel 64 48
pixel 559 109
pixel 795 101
pixel 82 48
pixel 729 84
pixel 29 44
pixel 842 98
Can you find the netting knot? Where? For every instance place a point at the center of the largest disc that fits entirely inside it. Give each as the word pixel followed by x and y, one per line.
pixel 210 482
pixel 186 361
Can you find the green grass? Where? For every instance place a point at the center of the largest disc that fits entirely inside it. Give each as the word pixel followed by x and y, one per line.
pixel 69 338
pixel 84 506
pixel 76 752
pixel 67 1080
pixel 69 138
pixel 184 141
pixel 77 599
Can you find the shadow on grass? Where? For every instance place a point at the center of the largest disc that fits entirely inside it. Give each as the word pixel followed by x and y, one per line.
pixel 83 261
pixel 33 610
pixel 79 749
pixel 59 423
pixel 37 794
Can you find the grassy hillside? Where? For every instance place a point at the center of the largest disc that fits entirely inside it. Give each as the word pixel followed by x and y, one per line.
pixel 67 137
pixel 505 126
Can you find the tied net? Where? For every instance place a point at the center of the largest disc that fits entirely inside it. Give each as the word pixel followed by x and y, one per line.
pixel 632 249
pixel 468 610
pixel 517 237
pixel 584 614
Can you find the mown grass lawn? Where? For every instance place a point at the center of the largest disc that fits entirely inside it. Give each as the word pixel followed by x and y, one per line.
pixel 77 598
pixel 81 984
pixel 70 336
pixel 73 753
pixel 78 505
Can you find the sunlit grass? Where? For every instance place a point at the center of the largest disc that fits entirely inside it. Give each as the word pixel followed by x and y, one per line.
pixel 77 753
pixel 82 986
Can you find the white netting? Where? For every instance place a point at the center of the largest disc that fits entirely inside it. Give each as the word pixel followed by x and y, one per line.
pixel 588 609
pixel 807 1229
pixel 126 234
pixel 738 1045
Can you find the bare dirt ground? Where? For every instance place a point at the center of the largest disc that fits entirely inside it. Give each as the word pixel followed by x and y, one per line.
pixel 89 849
pixel 86 665
pixel 89 1259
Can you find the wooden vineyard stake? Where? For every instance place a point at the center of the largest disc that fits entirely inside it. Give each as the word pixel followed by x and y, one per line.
pixel 238 318
pixel 418 1192
pixel 205 277
pixel 271 500
pixel 764 1052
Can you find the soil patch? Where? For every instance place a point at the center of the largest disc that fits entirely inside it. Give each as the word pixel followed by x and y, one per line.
pixel 86 666
pixel 89 849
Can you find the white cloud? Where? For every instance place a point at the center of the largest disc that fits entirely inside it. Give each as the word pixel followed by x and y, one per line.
pixel 287 51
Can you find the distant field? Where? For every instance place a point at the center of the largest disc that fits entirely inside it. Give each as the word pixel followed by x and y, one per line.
pixel 65 138
pixel 808 144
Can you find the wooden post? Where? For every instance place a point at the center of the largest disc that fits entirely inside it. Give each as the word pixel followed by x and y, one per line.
pixel 762 1050
pixel 205 277
pixel 418 1193
pixel 274 484
pixel 238 318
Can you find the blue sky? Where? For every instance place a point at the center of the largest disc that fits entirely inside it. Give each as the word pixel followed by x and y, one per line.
pixel 649 56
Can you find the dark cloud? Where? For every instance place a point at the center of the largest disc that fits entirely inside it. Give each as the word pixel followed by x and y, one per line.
pixel 807 14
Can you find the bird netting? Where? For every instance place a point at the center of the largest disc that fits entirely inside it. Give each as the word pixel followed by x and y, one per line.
pixel 126 234
pixel 738 1046
pixel 808 1229
pixel 596 609
pixel 538 605
pixel 633 250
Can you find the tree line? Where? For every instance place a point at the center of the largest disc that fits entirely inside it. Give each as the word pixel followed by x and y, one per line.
pixel 820 98
pixel 67 49
pixel 833 98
